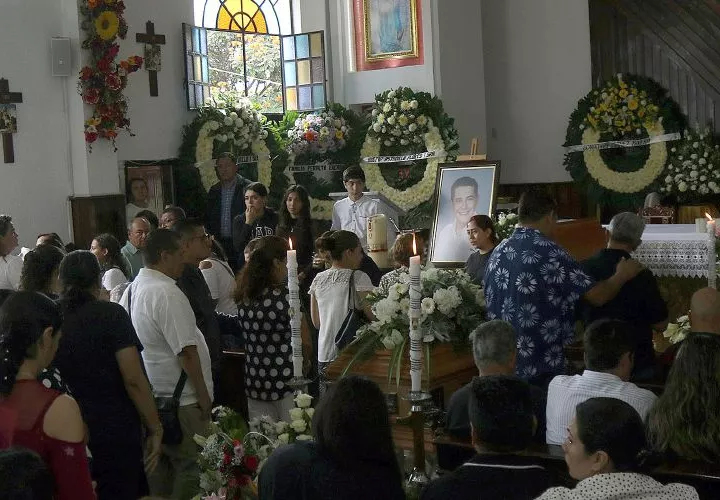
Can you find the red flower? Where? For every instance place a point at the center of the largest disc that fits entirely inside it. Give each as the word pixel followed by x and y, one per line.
pixel 113 82
pixel 251 462
pixel 86 73
pixel 243 480
pixel 91 96
pixel 112 51
pixel 227 459
pixel 232 482
pixel 90 137
pixel 104 64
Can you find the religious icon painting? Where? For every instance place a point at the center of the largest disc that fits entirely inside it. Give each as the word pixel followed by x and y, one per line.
pixel 388 33
pixel 462 189
pixel 152 57
pixel 8 119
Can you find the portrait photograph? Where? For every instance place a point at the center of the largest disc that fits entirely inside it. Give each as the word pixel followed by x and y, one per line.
pixel 462 189
pixel 8 119
pixel 148 187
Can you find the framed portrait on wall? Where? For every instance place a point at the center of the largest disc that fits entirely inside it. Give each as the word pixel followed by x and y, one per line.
pixel 462 189
pixel 388 33
pixel 148 187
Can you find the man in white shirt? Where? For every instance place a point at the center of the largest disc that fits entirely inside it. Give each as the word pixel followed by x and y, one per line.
pixel 609 344
pixel 352 213
pixel 165 324
pixel 452 242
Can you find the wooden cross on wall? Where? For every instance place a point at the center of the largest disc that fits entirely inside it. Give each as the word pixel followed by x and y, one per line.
pixel 7 97
pixel 153 40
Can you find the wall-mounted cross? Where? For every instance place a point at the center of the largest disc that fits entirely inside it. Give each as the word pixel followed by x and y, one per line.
pixel 7 97
pixel 149 38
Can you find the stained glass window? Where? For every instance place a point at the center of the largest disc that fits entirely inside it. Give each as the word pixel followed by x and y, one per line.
pixel 273 17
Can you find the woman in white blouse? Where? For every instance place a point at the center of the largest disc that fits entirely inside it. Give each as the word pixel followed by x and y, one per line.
pixel 114 267
pixel 10 265
pixel 220 279
pixel 603 448
pixel 329 292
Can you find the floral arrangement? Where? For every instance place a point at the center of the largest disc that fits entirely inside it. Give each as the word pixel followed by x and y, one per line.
pixel 676 332
pixel 505 225
pixel 627 107
pixel 228 465
pixel 694 167
pixel 452 306
pixel 102 82
pixel 404 122
pixel 318 133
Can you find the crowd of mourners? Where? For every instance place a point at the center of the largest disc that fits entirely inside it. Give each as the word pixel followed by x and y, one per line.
pixel 90 338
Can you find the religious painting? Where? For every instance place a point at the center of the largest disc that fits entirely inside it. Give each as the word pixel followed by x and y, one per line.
pixel 388 33
pixel 148 187
pixel 462 189
pixel 152 57
pixel 8 119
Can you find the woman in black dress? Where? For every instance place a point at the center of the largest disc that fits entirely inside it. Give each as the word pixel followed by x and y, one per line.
pixel 481 231
pixel 99 357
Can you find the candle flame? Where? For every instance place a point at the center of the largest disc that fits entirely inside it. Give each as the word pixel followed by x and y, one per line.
pixel 414 245
pixel 708 216
pixel 290 241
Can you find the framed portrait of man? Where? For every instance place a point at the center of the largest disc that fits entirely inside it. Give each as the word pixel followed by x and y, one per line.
pixel 462 189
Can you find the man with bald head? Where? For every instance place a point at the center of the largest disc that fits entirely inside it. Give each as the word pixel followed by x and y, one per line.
pixel 138 229
pixel 705 311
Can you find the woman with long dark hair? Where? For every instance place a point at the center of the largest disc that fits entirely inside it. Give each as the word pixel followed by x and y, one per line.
pixel 31 415
pixel 99 357
pixel 481 232
pixel 352 456
pixel 683 421
pixel 114 267
pixel 295 222
pixel 604 451
pixel 258 220
pixel 263 314
pixel 40 270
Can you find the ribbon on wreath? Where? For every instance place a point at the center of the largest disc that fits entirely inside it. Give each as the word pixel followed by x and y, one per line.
pixel 401 158
pixel 625 143
pixel 317 167
pixel 246 159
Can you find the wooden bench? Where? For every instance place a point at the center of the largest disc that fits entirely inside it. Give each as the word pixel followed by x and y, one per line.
pixel 704 477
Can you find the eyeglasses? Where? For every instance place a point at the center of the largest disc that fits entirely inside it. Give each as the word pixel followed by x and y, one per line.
pixel 205 236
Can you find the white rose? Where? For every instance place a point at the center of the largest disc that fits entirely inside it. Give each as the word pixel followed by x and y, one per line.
pixel 412 127
pixel 228 120
pixel 668 179
pixel 374 112
pixel 281 427
pixel 296 414
pixel 387 108
pixel 405 305
pixel 391 94
pixel 233 115
pixel 404 142
pixel 298 425
pixel 427 306
pixel 303 400
pixel 376 127
pixel 397 337
pixel 310 412
pixel 214 125
pixel 388 343
pixel 413 104
pixel 388 143
pixel 381 119
pixel 391 120
pixel 284 438
pixel 696 145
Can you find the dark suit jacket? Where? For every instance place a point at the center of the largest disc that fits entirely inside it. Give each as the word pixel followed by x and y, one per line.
pixel 214 208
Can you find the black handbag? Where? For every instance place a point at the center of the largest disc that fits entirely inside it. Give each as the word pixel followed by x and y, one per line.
pixel 354 319
pixel 167 407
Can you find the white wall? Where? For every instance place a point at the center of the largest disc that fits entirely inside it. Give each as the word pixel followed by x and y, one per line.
pixel 34 189
pixel 537 66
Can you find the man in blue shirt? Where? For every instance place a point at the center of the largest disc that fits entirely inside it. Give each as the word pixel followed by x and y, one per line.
pixel 534 284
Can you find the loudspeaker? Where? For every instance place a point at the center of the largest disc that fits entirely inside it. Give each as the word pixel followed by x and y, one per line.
pixel 61 56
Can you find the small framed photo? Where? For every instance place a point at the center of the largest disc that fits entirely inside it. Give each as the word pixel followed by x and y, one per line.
pixel 462 189
pixel 8 119
pixel 148 187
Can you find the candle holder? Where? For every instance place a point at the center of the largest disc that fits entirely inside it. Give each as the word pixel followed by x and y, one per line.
pixel 416 421
pixel 299 383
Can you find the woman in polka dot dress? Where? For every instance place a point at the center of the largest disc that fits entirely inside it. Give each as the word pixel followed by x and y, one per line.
pixel 262 297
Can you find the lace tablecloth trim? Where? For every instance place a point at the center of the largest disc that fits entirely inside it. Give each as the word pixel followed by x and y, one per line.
pixel 685 258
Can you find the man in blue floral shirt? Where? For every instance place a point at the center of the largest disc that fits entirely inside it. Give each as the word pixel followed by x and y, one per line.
pixel 534 284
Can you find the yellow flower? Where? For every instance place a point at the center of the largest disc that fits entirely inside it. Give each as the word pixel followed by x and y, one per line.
pixel 623 93
pixel 620 123
pixel 338 134
pixel 106 25
pixel 641 113
pixel 632 104
pixel 623 85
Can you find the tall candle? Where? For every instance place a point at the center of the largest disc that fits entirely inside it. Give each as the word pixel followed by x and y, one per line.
pixel 294 312
pixel 416 336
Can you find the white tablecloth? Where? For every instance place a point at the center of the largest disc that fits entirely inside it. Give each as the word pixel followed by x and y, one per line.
pixel 678 250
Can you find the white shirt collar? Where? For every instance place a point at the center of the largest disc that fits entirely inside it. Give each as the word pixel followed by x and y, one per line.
pixel 152 274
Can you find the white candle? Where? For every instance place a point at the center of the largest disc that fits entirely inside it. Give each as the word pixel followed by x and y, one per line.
pixel 415 293
pixel 700 225
pixel 712 272
pixel 295 313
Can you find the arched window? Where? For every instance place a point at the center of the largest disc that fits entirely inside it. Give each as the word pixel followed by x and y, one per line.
pixel 248 48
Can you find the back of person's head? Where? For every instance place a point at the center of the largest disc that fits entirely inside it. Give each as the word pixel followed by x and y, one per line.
pixel 5 224
pixel 501 413
pixel 256 274
pixel 354 173
pixel 50 239
pixel 494 344
pixel 683 422
pixel 464 182
pixel 534 205
pixel 79 278
pixel 336 243
pixel 258 188
pixel 251 246
pixel 24 316
pixel 24 476
pixel 351 424
pixel 402 250
pixel 614 427
pixel 627 228
pixel 39 268
pixel 159 241
pixel 484 222
pixel 605 342
pixel 187 228
pixel 114 257
pixel 705 311
pixel 150 216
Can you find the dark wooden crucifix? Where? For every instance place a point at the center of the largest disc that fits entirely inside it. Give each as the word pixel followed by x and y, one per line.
pixel 7 97
pixel 152 53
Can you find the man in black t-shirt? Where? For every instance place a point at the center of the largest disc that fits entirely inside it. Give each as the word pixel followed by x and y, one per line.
pixel 639 301
pixel 502 421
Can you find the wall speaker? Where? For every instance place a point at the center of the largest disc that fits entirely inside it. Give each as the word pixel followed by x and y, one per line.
pixel 61 56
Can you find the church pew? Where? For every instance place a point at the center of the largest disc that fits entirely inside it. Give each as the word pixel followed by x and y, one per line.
pixel 231 392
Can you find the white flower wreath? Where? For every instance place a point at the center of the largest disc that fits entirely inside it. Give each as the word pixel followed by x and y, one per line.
pixel 625 182
pixel 416 194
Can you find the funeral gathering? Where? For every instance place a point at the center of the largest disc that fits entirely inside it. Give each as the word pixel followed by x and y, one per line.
pixel 359 249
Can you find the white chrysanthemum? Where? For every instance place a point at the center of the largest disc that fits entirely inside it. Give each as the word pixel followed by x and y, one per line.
pixel 447 299
pixel 385 310
pixel 427 306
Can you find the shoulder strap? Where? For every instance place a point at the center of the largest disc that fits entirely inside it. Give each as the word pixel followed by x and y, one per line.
pixel 180 385
pixel 351 290
pixel 130 301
